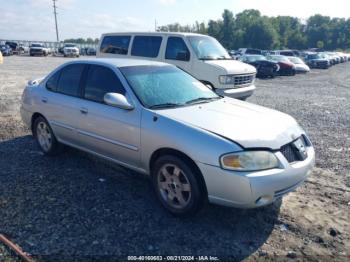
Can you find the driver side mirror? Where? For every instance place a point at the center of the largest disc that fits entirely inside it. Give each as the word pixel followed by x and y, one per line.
pixel 117 100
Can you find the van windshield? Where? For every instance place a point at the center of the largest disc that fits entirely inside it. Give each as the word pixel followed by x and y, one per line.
pixel 208 48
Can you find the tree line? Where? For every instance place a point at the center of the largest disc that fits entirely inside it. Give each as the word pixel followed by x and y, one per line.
pixel 251 29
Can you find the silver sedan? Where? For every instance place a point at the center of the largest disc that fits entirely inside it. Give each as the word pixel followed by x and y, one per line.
pixel 156 119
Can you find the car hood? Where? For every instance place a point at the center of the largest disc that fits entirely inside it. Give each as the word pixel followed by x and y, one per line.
pixel 266 62
pixel 301 66
pixel 249 125
pixel 233 66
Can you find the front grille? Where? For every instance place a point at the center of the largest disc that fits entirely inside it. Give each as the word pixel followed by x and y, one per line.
pixel 244 80
pixel 323 63
pixel 291 152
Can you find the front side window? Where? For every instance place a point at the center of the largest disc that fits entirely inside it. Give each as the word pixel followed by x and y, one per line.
pixel 176 49
pixel 51 83
pixel 69 81
pixel 208 48
pixel 146 46
pixel 115 44
pixel 101 80
pixel 166 86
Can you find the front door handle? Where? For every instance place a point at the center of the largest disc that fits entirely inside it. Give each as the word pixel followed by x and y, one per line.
pixel 84 110
pixel 44 99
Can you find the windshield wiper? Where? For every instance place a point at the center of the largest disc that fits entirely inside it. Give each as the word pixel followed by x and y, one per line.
pixel 202 99
pixel 224 58
pixel 207 58
pixel 165 105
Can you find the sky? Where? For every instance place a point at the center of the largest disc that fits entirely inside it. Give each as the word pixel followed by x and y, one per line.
pixel 34 19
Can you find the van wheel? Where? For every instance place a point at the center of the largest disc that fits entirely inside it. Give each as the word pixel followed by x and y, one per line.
pixel 45 137
pixel 177 186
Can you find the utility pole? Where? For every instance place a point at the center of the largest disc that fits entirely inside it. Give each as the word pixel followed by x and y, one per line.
pixel 55 13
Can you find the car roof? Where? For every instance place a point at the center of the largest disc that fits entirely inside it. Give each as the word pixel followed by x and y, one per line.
pixel 154 33
pixel 119 62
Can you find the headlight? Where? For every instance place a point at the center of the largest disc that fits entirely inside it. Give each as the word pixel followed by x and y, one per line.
pixel 249 161
pixel 227 80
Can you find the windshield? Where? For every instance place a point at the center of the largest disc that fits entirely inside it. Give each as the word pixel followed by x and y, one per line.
pixel 208 48
pixel 296 60
pixel 253 58
pixel 37 45
pixel 166 86
pixel 70 45
pixel 315 56
pixel 279 58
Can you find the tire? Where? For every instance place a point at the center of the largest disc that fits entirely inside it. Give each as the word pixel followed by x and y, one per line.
pixel 177 185
pixel 45 137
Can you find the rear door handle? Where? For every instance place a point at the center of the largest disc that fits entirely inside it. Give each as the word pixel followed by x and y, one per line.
pixel 84 110
pixel 44 99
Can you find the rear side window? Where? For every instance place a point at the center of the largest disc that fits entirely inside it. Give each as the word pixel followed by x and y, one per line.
pixel 176 49
pixel 101 80
pixel 115 44
pixel 51 84
pixel 69 81
pixel 146 46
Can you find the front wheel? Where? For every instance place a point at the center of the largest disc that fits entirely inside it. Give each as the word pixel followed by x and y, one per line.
pixel 45 137
pixel 177 185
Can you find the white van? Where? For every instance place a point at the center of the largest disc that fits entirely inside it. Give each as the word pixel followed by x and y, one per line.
pixel 200 55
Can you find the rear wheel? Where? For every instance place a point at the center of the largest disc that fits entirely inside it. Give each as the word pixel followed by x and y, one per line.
pixel 177 185
pixel 45 137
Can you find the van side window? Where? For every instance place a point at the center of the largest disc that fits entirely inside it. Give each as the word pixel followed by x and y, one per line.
pixel 176 49
pixel 118 44
pixel 146 46
pixel 51 83
pixel 69 81
pixel 101 80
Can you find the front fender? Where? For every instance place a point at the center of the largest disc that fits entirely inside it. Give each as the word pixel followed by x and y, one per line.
pixel 200 145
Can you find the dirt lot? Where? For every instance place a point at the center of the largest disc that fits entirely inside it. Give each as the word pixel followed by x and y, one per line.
pixel 76 205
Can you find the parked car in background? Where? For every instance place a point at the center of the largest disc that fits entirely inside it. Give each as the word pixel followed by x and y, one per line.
pixel 6 50
pixel 300 66
pixel 158 120
pixel 286 66
pixel 283 52
pixel 91 51
pixel 13 46
pixel 343 58
pixel 264 67
pixel 317 60
pixel 38 49
pixel 200 55
pixel 71 50
pixel 249 51
pixel 23 49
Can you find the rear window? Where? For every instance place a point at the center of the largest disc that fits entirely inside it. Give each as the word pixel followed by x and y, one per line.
pixel 146 46
pixel 69 81
pixel 115 44
pixel 287 53
pixel 253 51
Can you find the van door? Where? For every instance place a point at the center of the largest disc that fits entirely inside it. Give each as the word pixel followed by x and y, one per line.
pixel 177 53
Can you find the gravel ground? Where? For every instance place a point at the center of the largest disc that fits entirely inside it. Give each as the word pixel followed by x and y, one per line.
pixel 77 207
